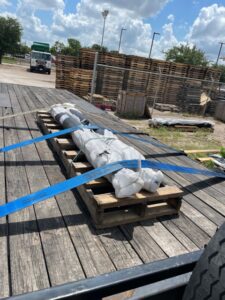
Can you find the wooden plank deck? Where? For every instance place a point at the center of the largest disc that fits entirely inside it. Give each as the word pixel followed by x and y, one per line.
pixel 54 241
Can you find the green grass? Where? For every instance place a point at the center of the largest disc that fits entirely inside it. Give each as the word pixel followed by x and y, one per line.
pixel 9 60
pixel 201 139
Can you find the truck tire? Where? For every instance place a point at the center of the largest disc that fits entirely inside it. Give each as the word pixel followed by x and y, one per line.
pixel 31 69
pixel 207 281
pixel 49 72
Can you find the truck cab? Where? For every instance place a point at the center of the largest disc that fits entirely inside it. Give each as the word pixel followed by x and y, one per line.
pixel 40 58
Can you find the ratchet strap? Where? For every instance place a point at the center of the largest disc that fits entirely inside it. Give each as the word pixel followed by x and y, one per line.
pixel 74 182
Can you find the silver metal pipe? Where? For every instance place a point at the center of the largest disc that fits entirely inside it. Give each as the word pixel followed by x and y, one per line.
pixel 94 76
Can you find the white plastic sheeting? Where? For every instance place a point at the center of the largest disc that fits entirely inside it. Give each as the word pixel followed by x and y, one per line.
pixel 174 121
pixel 104 148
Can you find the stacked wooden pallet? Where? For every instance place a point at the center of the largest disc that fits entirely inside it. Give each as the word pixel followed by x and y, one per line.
pixel 189 97
pixel 170 90
pixel 80 81
pixel 64 63
pixel 98 195
pixel 110 81
pixel 136 81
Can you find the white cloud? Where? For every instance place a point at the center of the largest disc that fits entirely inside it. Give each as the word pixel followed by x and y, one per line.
pixel 4 3
pixel 85 23
pixel 208 29
pixel 171 18
pixel 33 5
pixel 144 8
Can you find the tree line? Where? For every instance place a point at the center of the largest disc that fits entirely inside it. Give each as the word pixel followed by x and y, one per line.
pixel 10 43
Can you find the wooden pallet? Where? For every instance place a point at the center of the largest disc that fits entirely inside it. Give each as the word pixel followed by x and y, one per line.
pixel 98 195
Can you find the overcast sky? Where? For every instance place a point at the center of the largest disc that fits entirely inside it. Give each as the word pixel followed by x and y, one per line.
pixel 200 22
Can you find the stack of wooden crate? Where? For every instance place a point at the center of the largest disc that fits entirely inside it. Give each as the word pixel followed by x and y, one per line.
pixel 109 80
pixel 80 81
pixel 136 81
pixel 157 83
pixel 64 63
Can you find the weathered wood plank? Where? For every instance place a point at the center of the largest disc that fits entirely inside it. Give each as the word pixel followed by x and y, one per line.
pixel 27 264
pixel 62 262
pixel 164 238
pixel 91 252
pixel 4 268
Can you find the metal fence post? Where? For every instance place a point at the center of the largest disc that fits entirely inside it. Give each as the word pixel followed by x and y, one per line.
pixel 94 76
pixel 156 92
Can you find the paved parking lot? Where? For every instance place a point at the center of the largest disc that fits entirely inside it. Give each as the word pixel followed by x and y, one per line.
pixel 20 74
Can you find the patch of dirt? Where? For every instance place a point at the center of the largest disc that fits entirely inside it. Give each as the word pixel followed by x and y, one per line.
pixel 20 74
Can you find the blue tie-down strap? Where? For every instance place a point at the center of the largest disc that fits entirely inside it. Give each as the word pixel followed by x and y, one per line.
pixel 74 182
pixel 46 137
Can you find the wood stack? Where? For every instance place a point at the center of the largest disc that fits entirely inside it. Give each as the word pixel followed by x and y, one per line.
pixel 80 81
pixel 133 80
pixel 64 63
pixel 189 97
pixel 131 104
pixel 176 90
pixel 109 80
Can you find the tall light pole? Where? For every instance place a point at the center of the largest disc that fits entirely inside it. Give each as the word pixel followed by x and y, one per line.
pixel 218 57
pixel 104 14
pixel 121 33
pixel 154 34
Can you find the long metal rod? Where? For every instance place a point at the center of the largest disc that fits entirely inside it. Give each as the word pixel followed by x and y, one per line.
pixel 154 73
pixel 156 92
pixel 93 82
pixel 119 281
pixel 103 32
pixel 121 33
pixel 153 38
pixel 218 57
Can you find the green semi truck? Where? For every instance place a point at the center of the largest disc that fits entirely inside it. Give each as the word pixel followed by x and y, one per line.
pixel 40 57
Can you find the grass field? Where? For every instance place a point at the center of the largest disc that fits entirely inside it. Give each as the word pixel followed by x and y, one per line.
pixel 201 139
pixel 9 60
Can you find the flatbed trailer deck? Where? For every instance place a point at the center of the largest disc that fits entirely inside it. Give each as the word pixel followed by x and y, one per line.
pixel 54 242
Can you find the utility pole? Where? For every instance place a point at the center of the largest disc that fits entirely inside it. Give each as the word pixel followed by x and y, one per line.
pixel 104 14
pixel 218 57
pixel 154 34
pixel 121 33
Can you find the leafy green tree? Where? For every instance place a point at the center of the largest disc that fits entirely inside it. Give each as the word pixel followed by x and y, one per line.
pixel 114 52
pixel 187 55
pixel 10 35
pixel 98 47
pixel 23 49
pixel 73 47
pixel 57 48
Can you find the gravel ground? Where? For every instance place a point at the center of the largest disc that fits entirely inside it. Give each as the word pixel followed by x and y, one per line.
pixel 20 74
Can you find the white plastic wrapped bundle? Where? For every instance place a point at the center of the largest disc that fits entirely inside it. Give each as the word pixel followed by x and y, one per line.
pixel 106 148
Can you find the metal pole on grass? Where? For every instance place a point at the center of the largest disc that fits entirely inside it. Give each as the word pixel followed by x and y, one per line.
pixel 94 76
